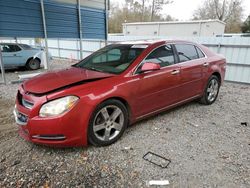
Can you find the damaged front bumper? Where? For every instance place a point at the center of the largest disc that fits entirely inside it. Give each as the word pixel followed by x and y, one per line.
pixel 66 130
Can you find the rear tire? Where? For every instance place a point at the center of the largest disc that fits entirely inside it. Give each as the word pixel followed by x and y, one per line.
pixel 107 123
pixel 33 64
pixel 211 91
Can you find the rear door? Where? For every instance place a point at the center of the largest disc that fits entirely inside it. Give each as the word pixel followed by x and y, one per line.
pixel 158 89
pixel 192 69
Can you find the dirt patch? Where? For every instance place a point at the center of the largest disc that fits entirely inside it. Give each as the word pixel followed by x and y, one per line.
pixel 6 117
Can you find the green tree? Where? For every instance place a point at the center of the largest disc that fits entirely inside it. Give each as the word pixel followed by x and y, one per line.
pixel 246 26
pixel 228 11
pixel 157 6
pixel 134 11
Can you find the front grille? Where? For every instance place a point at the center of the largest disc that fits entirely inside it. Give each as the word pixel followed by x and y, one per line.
pixel 21 119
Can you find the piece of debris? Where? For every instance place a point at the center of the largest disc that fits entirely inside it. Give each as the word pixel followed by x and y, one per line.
pixel 193 124
pixel 2 159
pixel 84 156
pixel 224 157
pixel 156 159
pixel 158 182
pixel 244 123
pixel 167 130
pixel 127 148
pixel 16 162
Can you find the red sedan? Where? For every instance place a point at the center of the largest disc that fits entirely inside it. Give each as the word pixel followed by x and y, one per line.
pixel 96 99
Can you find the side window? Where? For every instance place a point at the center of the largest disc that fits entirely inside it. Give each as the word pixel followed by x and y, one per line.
pixel 163 55
pixel 5 48
pixel 186 52
pixel 200 53
pixel 10 48
pixel 17 48
pixel 112 55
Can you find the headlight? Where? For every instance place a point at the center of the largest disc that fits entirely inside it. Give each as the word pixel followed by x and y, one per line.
pixel 58 106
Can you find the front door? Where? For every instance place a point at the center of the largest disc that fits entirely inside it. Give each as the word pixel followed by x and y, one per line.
pixel 158 89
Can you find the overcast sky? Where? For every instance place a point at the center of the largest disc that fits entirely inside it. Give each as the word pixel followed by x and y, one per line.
pixel 183 9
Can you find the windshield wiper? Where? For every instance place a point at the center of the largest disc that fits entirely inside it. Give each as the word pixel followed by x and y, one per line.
pixel 94 69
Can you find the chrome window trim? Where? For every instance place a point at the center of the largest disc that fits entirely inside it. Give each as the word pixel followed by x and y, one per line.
pixel 172 43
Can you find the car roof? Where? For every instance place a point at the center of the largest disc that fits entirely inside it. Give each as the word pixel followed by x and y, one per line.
pixel 153 41
pixel 13 43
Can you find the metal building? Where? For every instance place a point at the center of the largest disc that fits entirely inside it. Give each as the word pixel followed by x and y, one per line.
pixel 68 19
pixel 175 28
pixel 23 18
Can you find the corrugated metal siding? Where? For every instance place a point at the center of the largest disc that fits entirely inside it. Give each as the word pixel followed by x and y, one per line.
pixel 23 18
pixel 96 4
pixel 20 18
pixel 61 20
pixel 93 23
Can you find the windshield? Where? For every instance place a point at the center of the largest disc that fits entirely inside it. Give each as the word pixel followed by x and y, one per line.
pixel 114 58
pixel 26 47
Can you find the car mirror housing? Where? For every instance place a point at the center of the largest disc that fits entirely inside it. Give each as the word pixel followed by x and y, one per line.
pixel 149 66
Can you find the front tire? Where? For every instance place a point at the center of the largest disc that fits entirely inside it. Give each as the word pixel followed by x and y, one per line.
pixel 33 64
pixel 107 123
pixel 211 91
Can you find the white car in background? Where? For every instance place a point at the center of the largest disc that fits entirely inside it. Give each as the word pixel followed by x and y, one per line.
pixel 21 55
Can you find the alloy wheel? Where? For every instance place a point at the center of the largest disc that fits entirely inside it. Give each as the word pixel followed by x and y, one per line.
pixel 212 90
pixel 108 123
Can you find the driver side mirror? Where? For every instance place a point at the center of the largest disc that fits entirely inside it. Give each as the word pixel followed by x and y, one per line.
pixel 149 66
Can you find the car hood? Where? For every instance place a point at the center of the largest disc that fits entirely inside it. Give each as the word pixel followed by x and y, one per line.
pixel 55 80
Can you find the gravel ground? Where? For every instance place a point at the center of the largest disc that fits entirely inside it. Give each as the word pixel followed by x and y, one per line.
pixel 207 146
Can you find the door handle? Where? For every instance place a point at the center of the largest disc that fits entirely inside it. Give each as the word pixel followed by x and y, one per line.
pixel 175 72
pixel 14 54
pixel 206 64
